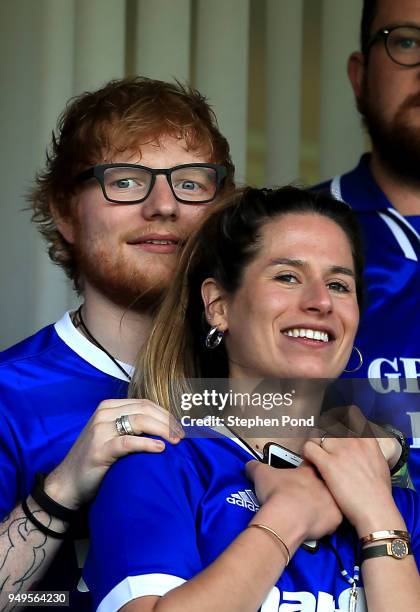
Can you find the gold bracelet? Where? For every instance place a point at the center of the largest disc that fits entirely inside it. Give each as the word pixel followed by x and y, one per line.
pixel 388 534
pixel 276 535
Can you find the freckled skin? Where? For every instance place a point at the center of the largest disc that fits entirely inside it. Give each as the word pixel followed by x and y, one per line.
pixel 101 230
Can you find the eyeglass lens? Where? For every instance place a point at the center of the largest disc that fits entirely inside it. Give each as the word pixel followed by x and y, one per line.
pixel 192 184
pixel 403 45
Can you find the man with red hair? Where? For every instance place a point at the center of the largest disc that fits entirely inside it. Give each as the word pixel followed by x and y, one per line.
pixel 131 170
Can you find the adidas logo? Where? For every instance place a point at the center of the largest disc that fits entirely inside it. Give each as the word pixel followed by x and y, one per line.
pixel 244 499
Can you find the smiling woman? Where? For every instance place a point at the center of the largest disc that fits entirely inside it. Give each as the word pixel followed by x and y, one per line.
pixel 297 302
pixel 278 277
pixel 271 264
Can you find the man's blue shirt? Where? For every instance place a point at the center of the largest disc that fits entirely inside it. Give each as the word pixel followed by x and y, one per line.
pixel 389 332
pixel 50 385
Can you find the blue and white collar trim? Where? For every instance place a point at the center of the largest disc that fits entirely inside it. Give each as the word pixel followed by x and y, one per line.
pixel 88 351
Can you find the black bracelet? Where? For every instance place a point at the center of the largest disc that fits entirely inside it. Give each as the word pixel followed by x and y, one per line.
pixel 396 548
pixel 49 532
pixel 46 503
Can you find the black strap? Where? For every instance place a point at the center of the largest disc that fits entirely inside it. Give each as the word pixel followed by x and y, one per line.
pixel 46 503
pixel 43 528
pixel 381 551
pixel 356 552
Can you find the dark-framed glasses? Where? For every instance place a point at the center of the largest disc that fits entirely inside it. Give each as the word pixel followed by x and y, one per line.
pixel 402 44
pixel 132 183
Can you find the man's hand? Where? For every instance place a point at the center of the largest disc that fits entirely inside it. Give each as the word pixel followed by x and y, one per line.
pixel 75 481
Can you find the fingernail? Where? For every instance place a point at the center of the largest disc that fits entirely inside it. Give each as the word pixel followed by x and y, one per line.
pixel 159 444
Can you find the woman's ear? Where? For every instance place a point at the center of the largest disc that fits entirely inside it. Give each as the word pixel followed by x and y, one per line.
pixel 215 304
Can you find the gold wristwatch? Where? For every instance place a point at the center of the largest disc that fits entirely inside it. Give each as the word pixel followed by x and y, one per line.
pixel 397 548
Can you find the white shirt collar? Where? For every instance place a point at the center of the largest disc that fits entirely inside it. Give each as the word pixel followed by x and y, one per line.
pixel 225 431
pixel 88 351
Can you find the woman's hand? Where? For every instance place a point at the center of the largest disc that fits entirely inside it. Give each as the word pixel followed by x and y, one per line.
pixel 357 475
pixel 348 421
pixel 78 476
pixel 298 494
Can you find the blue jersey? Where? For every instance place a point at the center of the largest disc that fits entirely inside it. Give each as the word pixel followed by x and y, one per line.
pixel 50 384
pixel 389 332
pixel 158 520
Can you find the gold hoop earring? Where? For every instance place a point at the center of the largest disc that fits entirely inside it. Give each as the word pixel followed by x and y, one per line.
pixel 360 361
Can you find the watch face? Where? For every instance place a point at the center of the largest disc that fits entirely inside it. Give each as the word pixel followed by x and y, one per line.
pixel 399 549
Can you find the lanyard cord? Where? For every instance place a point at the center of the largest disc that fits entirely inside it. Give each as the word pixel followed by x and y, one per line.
pixel 352 581
pixel 94 341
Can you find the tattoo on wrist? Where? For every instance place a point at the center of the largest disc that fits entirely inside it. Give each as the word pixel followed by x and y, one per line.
pixel 22 546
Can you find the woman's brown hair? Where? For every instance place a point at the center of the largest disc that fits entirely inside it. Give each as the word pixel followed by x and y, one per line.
pixel 221 248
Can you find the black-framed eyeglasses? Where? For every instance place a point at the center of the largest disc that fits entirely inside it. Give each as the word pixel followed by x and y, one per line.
pixel 132 183
pixel 402 44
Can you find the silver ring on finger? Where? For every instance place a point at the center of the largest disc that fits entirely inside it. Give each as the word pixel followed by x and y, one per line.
pixel 126 425
pixel 322 440
pixel 123 426
pixel 119 427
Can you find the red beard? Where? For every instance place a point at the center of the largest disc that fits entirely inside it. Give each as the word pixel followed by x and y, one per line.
pixel 119 277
